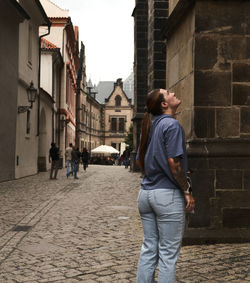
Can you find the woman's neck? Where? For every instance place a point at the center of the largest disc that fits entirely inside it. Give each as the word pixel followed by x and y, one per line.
pixel 170 112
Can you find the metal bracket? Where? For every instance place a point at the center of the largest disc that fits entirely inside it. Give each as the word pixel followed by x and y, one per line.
pixel 22 109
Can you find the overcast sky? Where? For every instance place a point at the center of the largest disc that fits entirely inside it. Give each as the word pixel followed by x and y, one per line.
pixel 106 29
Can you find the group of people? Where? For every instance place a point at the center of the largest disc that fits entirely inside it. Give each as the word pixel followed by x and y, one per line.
pixel 73 157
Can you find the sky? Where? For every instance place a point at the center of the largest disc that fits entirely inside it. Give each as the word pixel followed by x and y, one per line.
pixel 106 28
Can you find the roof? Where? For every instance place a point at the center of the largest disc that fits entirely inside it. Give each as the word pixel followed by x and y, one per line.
pixel 128 87
pixel 20 9
pixel 47 44
pixel 44 15
pixel 104 89
pixel 54 11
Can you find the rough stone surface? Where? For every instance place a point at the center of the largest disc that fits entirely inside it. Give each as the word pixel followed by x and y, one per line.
pixel 212 88
pixel 89 230
pixel 241 94
pixel 204 122
pixel 227 122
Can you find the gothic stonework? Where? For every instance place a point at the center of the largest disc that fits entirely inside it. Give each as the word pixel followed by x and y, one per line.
pixel 207 65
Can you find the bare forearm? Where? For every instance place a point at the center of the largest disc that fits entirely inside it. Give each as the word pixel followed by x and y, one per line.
pixel 178 173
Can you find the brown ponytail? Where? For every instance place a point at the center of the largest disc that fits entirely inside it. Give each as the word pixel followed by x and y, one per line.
pixel 154 99
pixel 145 128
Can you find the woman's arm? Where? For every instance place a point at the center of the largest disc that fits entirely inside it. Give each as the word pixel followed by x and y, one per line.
pixel 180 177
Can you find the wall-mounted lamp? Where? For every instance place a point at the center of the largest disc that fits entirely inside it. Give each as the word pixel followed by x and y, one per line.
pixel 31 93
pixel 63 122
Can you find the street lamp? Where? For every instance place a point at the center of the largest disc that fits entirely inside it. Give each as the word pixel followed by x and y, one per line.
pixel 31 93
pixel 63 122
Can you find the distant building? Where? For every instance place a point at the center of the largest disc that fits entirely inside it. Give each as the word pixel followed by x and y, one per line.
pixel 64 36
pixel 128 87
pixel 107 115
pixel 106 87
pixel 118 114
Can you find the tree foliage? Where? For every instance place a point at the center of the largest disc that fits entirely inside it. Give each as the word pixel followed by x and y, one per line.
pixel 129 138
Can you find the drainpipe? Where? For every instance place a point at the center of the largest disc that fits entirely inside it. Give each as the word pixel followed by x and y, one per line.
pixel 78 97
pixel 39 80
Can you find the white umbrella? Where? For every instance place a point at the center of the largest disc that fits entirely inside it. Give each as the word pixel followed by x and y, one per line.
pixel 104 149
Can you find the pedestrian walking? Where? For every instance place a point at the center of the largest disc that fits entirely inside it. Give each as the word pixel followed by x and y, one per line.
pixel 75 157
pixel 85 158
pixel 68 151
pixel 165 191
pixel 54 160
pixel 126 157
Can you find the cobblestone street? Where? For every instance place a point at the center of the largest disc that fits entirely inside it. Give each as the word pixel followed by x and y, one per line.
pixel 88 230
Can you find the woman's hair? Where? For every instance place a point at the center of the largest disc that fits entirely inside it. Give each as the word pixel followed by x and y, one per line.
pixel 153 106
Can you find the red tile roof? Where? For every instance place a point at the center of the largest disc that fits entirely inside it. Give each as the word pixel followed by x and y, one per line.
pixel 47 44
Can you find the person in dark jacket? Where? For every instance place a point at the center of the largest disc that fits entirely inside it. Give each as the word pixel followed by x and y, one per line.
pixel 126 156
pixel 54 159
pixel 75 158
pixel 85 158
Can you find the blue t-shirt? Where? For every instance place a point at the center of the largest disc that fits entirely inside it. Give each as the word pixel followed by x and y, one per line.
pixel 166 140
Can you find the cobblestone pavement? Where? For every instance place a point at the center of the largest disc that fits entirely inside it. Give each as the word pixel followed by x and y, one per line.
pixel 88 230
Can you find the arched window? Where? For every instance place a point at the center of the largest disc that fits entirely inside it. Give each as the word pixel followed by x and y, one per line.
pixel 118 100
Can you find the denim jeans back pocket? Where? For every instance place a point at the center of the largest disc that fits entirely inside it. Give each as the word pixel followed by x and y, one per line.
pixel 163 197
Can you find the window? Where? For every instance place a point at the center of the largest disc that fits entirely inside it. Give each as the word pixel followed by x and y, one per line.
pixel 121 125
pixel 83 113
pixel 118 100
pixel 30 45
pixel 67 88
pixel 113 124
pixel 28 123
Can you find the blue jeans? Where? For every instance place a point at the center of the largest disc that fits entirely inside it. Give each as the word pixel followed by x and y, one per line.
pixel 162 214
pixel 69 167
pixel 75 168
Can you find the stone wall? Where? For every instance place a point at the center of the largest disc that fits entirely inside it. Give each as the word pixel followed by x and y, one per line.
pixel 157 15
pixel 149 54
pixel 140 15
pixel 213 83
pixel 222 112
pixel 180 70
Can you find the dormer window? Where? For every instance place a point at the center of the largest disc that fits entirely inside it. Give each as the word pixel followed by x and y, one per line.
pixel 118 100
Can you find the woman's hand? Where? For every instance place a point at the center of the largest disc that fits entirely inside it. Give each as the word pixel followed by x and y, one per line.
pixel 190 202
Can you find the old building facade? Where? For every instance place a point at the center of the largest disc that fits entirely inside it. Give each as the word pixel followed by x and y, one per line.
pixel 65 109
pixel 207 65
pixel 19 144
pixel 64 36
pixel 106 115
pixel 11 15
pixel 50 95
pixel 91 119
pixel 118 114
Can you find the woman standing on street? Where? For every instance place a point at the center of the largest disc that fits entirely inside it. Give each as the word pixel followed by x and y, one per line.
pixel 165 191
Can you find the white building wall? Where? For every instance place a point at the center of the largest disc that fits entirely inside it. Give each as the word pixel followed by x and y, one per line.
pixel 56 37
pixel 46 73
pixel 27 143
